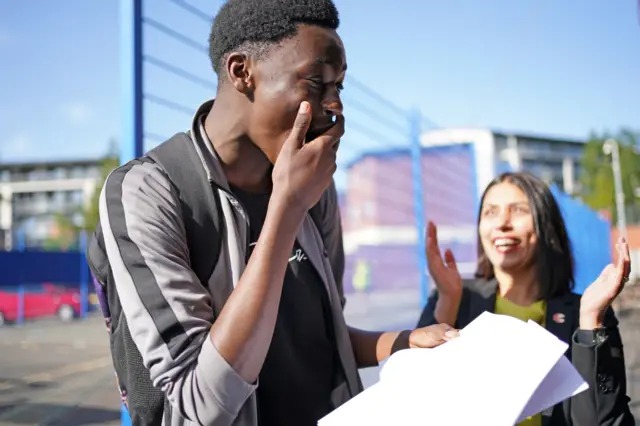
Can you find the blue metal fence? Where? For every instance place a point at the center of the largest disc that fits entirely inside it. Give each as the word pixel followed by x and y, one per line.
pixel 37 284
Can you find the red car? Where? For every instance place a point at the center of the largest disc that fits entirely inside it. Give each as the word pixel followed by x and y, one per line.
pixel 45 300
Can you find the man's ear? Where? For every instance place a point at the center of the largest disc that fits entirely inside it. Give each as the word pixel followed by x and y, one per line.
pixel 238 67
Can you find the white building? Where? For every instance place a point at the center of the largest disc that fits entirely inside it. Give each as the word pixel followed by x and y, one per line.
pixel 552 159
pixel 378 201
pixel 31 194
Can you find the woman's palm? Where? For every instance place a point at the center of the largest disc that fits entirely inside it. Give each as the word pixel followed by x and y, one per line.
pixel 443 271
pixel 599 295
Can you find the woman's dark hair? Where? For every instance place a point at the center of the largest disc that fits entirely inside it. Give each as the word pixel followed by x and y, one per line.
pixel 553 257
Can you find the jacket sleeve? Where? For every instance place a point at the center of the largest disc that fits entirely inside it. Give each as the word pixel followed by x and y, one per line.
pixel 331 231
pixel 600 361
pixel 168 310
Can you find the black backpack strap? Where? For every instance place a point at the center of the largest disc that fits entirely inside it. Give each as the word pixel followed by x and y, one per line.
pixel 200 201
pixel 100 268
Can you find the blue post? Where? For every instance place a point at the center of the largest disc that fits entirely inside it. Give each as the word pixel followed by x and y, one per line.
pixel 125 420
pixel 131 139
pixel 474 173
pixel 21 248
pixel 476 190
pixel 84 276
pixel 418 203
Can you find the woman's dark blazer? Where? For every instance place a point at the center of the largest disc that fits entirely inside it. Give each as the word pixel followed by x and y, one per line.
pixel 597 355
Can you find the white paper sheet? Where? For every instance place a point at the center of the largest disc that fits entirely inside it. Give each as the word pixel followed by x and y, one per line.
pixel 489 375
pixel 562 380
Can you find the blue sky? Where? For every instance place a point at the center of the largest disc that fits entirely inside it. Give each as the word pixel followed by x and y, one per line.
pixel 546 66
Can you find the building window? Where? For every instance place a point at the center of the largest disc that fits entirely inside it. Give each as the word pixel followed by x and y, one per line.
pixel 59 173
pixel 76 197
pixel 77 172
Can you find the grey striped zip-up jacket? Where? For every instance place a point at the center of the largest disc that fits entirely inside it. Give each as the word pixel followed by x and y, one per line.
pixel 170 312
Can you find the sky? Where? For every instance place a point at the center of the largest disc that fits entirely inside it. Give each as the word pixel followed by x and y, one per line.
pixel 557 67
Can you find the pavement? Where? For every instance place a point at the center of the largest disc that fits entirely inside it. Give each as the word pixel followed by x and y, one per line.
pixel 55 374
pixel 60 374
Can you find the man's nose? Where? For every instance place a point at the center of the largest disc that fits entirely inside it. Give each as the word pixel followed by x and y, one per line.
pixel 332 105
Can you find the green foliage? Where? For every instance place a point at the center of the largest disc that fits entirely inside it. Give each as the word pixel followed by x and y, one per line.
pixel 67 233
pixel 91 213
pixel 598 189
pixel 64 237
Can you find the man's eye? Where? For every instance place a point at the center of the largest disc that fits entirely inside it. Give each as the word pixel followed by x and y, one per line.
pixel 315 83
pixel 340 87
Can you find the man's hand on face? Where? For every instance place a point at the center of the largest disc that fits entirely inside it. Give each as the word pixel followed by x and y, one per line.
pixel 303 171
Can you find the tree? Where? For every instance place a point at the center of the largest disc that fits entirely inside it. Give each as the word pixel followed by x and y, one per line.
pixel 91 217
pixel 66 233
pixel 598 189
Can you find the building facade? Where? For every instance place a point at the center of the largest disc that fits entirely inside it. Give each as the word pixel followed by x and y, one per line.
pixel 457 164
pixel 379 222
pixel 556 160
pixel 32 194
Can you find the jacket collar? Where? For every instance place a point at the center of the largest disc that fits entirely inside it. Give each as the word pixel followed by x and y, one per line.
pixel 204 147
pixel 484 299
pixel 560 317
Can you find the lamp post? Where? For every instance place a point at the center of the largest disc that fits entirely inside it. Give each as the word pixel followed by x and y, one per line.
pixel 611 147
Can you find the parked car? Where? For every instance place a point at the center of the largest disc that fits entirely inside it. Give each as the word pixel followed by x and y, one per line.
pixel 40 301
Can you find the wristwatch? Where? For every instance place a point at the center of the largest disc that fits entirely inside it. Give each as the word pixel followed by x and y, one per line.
pixel 595 336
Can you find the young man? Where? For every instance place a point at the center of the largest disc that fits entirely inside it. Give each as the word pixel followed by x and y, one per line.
pixel 263 342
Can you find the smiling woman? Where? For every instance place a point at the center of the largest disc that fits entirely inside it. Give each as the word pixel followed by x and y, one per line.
pixel 525 270
pixel 523 238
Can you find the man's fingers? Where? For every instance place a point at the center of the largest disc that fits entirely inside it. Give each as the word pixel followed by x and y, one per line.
pixel 432 336
pixel 300 127
pixel 451 334
pixel 330 139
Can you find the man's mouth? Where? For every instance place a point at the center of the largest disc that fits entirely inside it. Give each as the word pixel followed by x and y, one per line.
pixel 317 130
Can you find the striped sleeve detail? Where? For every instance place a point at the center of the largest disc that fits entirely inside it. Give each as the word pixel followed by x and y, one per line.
pixel 143 281
pixel 168 310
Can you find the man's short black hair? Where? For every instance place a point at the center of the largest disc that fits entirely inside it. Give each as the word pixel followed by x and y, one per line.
pixel 252 26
